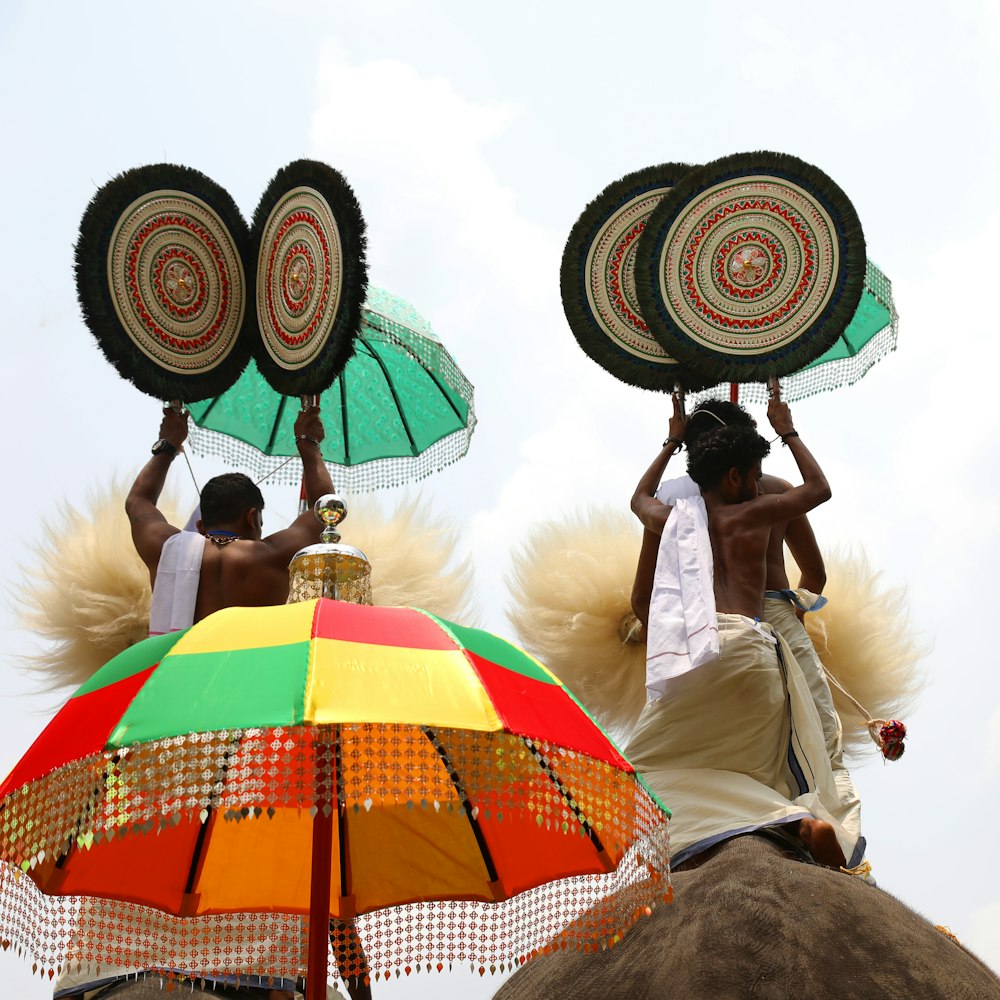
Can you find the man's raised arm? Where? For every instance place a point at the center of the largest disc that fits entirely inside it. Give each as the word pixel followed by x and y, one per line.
pixel 805 551
pixel 650 511
pixel 150 529
pixel 814 490
pixel 305 529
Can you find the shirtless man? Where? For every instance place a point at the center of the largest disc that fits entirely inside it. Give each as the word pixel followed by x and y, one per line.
pixel 798 533
pixel 239 567
pixel 726 465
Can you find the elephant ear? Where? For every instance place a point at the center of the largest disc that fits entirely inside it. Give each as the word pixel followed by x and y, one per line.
pixel 869 647
pixel 571 608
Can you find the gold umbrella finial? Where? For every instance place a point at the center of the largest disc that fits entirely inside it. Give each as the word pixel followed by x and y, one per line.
pixel 330 568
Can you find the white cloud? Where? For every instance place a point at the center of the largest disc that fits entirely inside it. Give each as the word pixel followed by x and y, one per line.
pixel 421 147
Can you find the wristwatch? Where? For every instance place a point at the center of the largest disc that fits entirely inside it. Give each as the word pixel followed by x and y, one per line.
pixel 164 447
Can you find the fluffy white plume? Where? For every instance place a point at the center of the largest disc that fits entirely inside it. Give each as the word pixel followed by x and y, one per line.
pixel 866 641
pixel 88 593
pixel 571 588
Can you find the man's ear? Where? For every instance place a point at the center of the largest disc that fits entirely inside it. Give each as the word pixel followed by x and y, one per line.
pixel 734 478
pixel 200 526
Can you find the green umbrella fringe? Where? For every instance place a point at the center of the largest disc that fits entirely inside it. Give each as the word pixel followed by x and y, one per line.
pixel 381 473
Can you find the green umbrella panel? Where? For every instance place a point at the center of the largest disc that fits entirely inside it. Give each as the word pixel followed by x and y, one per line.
pixel 400 411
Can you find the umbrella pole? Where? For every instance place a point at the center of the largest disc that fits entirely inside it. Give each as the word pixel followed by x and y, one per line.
pixel 319 888
pixel 734 392
pixel 303 499
pixel 306 402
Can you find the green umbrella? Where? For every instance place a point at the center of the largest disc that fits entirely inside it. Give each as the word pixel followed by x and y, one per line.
pixel 401 409
pixel 869 337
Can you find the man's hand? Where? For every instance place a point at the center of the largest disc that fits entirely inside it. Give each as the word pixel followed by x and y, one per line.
pixel 678 420
pixel 778 412
pixel 308 425
pixel 174 426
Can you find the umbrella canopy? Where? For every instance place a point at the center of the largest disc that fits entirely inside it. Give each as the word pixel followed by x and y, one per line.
pixel 401 409
pixel 456 774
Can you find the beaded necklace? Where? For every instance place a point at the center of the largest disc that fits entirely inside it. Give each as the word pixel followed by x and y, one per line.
pixel 220 538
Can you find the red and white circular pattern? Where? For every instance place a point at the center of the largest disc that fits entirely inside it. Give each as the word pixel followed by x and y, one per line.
pixel 299 277
pixel 611 291
pixel 176 280
pixel 748 265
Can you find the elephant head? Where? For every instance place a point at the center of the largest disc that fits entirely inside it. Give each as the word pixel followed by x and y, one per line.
pixel 750 919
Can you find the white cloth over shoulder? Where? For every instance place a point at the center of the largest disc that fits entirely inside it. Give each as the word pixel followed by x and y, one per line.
pixel 682 631
pixel 175 591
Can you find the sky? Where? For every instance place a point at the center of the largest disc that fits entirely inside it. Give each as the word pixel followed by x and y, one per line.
pixel 473 136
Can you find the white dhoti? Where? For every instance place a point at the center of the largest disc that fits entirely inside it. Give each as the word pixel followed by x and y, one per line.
pixel 737 744
pixel 780 612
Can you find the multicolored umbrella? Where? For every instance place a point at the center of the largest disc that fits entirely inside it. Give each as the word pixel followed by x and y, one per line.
pixel 400 411
pixel 427 779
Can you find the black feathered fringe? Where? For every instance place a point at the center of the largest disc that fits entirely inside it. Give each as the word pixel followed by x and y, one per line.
pixel 94 293
pixel 822 333
pixel 573 277
pixel 321 372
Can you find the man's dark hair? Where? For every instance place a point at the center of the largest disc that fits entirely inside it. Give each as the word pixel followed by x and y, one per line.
pixel 723 449
pixel 225 498
pixel 706 416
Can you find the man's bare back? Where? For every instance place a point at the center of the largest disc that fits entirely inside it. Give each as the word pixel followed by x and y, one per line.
pixel 798 535
pixel 739 550
pixel 243 574
pixel 748 519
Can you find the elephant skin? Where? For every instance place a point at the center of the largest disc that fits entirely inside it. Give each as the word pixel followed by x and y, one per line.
pixel 749 919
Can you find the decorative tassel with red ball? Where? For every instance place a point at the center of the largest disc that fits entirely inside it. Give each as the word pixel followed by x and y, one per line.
pixel 888 737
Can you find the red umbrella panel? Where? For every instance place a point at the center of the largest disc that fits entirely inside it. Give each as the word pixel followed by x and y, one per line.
pixel 167 817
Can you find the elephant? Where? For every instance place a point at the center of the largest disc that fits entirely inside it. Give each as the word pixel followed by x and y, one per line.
pixel 751 918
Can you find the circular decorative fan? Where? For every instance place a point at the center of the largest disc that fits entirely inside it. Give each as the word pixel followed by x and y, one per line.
pixel 161 281
pixel 309 253
pixel 751 266
pixel 598 282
